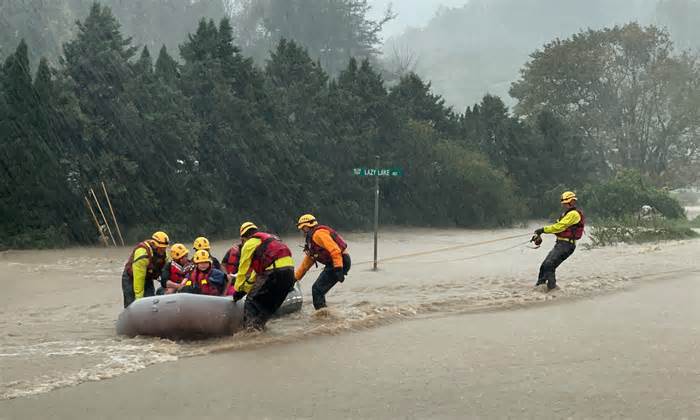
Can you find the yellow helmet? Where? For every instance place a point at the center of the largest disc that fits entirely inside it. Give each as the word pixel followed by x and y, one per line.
pixel 568 197
pixel 201 243
pixel 160 239
pixel 178 251
pixel 201 256
pixel 307 220
pixel 245 227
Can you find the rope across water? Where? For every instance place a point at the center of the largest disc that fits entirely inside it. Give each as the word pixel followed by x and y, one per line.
pixel 453 248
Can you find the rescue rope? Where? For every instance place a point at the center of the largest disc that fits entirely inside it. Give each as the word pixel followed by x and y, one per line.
pixel 474 257
pixel 451 248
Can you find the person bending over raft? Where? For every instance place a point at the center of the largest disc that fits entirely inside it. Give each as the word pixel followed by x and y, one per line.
pixel 203 243
pixel 323 245
pixel 272 262
pixel 204 279
pixel 145 264
pixel 175 270
pixel 568 229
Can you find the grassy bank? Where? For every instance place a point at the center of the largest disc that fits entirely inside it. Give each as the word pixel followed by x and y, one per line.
pixel 632 230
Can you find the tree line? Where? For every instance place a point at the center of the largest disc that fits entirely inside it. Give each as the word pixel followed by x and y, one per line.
pixel 197 145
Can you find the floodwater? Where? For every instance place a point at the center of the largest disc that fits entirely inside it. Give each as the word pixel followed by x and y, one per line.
pixel 692 212
pixel 58 308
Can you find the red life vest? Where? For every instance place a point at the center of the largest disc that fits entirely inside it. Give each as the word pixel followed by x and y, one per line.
pixel 270 250
pixel 319 253
pixel 574 232
pixel 177 272
pixel 232 259
pixel 155 262
pixel 199 280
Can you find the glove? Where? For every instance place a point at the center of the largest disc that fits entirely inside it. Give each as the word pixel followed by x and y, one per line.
pixel 339 274
pixel 539 231
pixel 238 296
pixel 536 239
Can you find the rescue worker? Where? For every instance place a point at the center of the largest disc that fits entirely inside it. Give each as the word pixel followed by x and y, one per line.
pixel 272 262
pixel 144 265
pixel 175 270
pixel 203 243
pixel 568 229
pixel 323 245
pixel 231 259
pixel 204 279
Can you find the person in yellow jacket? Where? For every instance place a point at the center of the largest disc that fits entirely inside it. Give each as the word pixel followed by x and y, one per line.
pixel 323 245
pixel 568 229
pixel 271 261
pixel 145 264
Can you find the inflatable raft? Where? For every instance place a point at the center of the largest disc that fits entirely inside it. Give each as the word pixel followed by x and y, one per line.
pixel 185 315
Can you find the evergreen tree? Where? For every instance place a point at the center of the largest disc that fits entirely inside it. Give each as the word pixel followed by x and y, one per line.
pixel 166 67
pixel 414 97
pixel 38 207
pixel 114 147
pixel 198 147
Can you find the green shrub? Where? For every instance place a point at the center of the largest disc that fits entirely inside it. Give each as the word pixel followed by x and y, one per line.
pixel 447 185
pixel 632 230
pixel 624 196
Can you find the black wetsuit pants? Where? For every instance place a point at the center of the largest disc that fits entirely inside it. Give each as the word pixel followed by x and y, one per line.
pixel 325 282
pixel 268 294
pixel 561 251
pixel 128 289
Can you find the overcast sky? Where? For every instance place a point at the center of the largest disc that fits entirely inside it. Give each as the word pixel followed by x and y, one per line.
pixel 410 12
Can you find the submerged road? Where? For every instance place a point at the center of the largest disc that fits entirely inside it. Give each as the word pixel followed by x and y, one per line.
pixel 631 354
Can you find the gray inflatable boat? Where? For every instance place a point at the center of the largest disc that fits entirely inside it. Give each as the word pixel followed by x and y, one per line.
pixel 185 315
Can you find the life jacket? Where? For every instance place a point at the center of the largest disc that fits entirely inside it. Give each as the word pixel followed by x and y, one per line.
pixel 199 282
pixel 270 250
pixel 574 232
pixel 319 253
pixel 233 257
pixel 155 262
pixel 177 272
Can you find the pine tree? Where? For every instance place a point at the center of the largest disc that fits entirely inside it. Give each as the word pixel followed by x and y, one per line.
pixel 414 97
pixel 114 147
pixel 167 68
pixel 39 207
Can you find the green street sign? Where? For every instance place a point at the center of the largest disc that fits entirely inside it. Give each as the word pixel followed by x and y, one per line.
pixel 377 171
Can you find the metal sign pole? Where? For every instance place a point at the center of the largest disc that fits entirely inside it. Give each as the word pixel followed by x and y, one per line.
pixel 376 211
pixel 377 172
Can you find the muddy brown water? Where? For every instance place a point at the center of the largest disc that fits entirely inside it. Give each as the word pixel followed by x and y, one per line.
pixel 58 307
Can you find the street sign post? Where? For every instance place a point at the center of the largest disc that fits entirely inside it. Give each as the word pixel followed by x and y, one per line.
pixel 377 172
